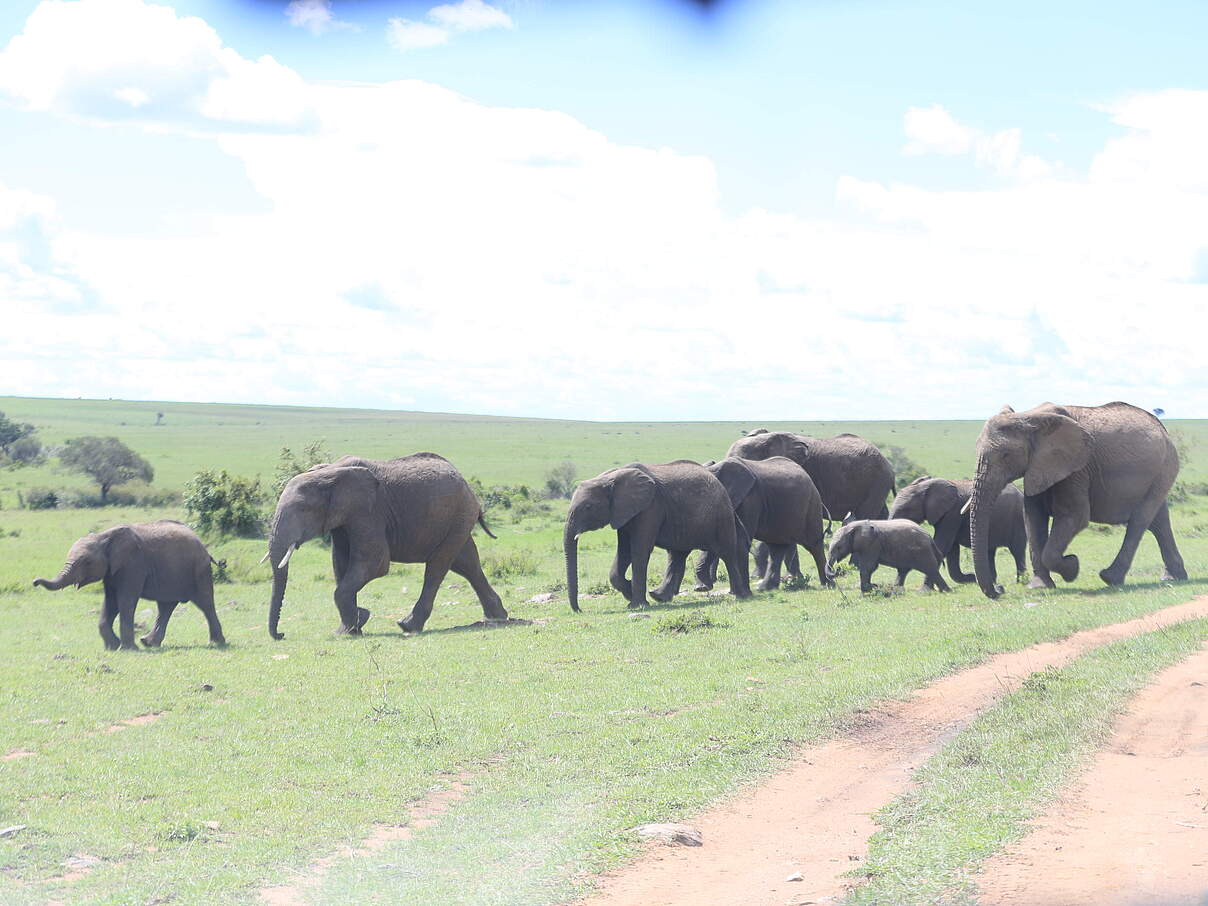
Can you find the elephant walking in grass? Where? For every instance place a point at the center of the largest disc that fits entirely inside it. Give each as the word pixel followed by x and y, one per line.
pixel 1111 464
pixel 414 509
pixel 777 503
pixel 944 503
pixel 852 476
pixel 898 543
pixel 678 506
pixel 161 561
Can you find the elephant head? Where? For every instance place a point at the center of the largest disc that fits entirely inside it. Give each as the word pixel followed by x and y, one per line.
pixel 95 556
pixel 1043 446
pixel 860 540
pixel 609 499
pixel 762 444
pixel 736 477
pixel 934 500
pixel 324 498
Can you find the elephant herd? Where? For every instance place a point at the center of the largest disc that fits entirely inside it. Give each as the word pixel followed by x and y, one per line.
pixel 1111 464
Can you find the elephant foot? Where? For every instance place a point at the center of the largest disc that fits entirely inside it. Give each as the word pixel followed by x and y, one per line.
pixel 127 646
pixel 701 586
pixel 1038 581
pixel 1174 575
pixel 219 642
pixel 410 624
pixel 661 596
pixel 362 617
pixel 637 605
pixel 768 585
pixel 150 641
pixel 828 582
pixel 111 645
pixel 1111 578
pixel 1068 568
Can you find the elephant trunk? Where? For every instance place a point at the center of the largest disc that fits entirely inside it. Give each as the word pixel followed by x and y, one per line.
pixel 280 550
pixel 62 580
pixel 570 548
pixel 987 485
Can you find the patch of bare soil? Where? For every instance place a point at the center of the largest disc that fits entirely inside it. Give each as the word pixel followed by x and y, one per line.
pixel 1134 829
pixel 421 814
pixel 791 839
pixel 15 754
pixel 141 721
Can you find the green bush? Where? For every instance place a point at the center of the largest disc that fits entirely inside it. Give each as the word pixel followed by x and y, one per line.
pixel 288 465
pixel 560 480
pixel 905 469
pixel 41 499
pixel 219 503
pixel 26 451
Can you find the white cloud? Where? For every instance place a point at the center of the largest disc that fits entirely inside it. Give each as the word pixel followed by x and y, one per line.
pixel 407 34
pixel 451 255
pixel 470 15
pixel 314 15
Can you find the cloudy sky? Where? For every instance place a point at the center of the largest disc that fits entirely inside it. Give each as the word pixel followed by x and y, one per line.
pixel 782 209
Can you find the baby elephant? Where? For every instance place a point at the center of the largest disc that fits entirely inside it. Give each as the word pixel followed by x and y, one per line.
pixel 160 561
pixel 899 543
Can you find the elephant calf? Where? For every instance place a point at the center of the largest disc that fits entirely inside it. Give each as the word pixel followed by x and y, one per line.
pixel 899 543
pixel 159 561
pixel 777 503
pixel 944 503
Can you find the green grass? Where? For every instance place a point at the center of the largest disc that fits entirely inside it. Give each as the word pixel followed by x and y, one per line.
pixel 975 795
pixel 576 727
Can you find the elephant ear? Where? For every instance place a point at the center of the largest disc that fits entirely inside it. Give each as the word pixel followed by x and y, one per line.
pixel 941 497
pixel 1060 447
pixel 123 548
pixel 352 490
pixel 866 544
pixel 736 477
pixel 632 491
pixel 798 451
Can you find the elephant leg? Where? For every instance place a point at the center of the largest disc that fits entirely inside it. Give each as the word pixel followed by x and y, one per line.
pixel 792 563
pixel 1061 533
pixel 205 603
pixel 761 560
pixel 620 563
pixel 1137 526
pixel 901 580
pixel 435 571
pixel 468 566
pixel 866 578
pixel 640 550
pixel 1019 551
pixel 1037 520
pixel 935 580
pixel 108 615
pixel 818 552
pixel 771 578
pixel 126 605
pixel 953 561
pixel 1173 561
pixel 155 637
pixel 670 585
pixel 706 571
pixel 352 617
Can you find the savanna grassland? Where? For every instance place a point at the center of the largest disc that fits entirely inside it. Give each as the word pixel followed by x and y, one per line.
pixel 263 757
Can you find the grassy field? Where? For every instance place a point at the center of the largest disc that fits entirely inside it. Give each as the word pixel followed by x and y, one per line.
pixel 572 729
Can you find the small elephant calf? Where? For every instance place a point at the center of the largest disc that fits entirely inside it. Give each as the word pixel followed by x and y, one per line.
pixel 161 561
pixel 899 543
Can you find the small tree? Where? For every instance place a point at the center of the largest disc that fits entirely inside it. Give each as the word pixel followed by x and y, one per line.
pixel 218 502
pixel 106 460
pixel 560 480
pixel 289 465
pixel 905 469
pixel 11 432
pixel 26 451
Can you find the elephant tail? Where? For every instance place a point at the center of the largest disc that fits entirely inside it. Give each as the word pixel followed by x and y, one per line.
pixel 482 520
pixel 827 518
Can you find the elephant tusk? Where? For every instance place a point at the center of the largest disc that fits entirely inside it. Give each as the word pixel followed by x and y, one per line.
pixel 289 553
pixel 965 508
pixel 267 554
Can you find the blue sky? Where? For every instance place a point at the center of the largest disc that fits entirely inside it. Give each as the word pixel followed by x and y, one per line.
pixel 776 210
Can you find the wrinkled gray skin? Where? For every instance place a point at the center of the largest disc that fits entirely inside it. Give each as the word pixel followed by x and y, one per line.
pixel 852 476
pixel 161 561
pixel 898 543
pixel 414 509
pixel 1112 464
pixel 778 504
pixel 679 506
pixel 941 501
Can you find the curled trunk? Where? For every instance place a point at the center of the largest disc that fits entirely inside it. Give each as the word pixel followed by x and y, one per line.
pixel 62 580
pixel 986 488
pixel 570 548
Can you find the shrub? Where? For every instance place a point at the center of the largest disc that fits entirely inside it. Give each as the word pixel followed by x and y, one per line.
pixel 288 465
pixel 11 432
pixel 41 499
pixel 508 566
pixel 106 460
pixel 225 504
pixel 560 480
pixel 905 469
pixel 26 451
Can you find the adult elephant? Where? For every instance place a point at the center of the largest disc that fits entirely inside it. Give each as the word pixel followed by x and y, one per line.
pixel 679 506
pixel 942 502
pixel 414 509
pixel 777 503
pixel 852 476
pixel 1112 464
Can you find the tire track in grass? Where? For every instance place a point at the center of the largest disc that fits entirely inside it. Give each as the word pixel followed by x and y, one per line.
pixel 1134 829
pixel 811 821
